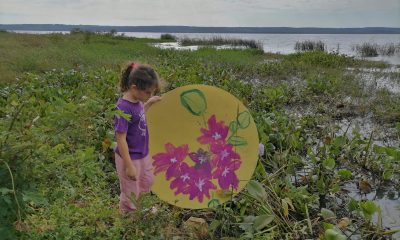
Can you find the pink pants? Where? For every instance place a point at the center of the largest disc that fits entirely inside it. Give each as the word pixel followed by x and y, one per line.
pixel 143 183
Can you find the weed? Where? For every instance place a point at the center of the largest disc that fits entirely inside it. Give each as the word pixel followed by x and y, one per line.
pixel 309 45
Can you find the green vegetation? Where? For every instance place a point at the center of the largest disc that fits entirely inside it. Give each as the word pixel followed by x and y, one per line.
pixel 309 45
pixel 219 41
pixel 389 49
pixel 373 49
pixel 57 175
pixel 167 36
pixel 367 49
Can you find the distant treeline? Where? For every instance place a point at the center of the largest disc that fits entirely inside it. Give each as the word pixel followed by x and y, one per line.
pixel 189 29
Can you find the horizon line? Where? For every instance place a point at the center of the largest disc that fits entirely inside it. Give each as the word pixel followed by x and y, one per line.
pixel 182 26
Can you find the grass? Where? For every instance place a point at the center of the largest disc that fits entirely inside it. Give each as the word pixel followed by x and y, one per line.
pixel 374 49
pixel 219 41
pixel 367 49
pixel 389 49
pixel 167 36
pixel 56 121
pixel 40 53
pixel 309 45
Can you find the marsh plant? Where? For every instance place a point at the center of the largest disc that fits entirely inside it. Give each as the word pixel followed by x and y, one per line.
pixel 389 49
pixel 308 45
pixel 219 41
pixel 374 49
pixel 367 49
pixel 167 36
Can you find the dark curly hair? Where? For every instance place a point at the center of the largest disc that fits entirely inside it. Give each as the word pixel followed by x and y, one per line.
pixel 141 75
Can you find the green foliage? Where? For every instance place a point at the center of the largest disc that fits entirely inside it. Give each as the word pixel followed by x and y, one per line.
pixel 52 120
pixel 321 59
pixel 345 174
pixel 309 45
pixel 167 36
pixel 256 190
pixel 327 214
pixel 329 163
pixel 369 208
pixel 325 83
pixel 56 138
pixel 332 234
pixel 218 41
pixel 367 49
pixel 253 224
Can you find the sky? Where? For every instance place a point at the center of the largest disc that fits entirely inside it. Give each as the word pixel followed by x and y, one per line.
pixel 213 13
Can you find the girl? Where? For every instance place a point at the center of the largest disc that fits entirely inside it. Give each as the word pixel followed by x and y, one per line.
pixel 137 84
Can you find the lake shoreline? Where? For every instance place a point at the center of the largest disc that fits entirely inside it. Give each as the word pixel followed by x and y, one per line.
pixel 280 43
pixel 198 29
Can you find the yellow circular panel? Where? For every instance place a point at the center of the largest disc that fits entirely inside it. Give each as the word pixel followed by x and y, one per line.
pixel 204 146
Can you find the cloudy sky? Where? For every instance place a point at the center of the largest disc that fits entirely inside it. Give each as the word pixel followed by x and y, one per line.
pixel 243 13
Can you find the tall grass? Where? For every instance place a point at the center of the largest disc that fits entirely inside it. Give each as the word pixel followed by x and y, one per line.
pixel 21 53
pixel 167 36
pixel 374 49
pixel 366 49
pixel 308 45
pixel 218 41
pixel 389 49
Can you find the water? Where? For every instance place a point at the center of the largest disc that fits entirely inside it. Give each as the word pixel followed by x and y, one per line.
pixel 388 201
pixel 283 43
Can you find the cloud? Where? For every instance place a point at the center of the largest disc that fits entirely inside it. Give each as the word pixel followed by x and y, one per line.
pixel 205 12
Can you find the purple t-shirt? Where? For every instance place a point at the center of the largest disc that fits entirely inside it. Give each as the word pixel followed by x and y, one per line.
pixel 137 135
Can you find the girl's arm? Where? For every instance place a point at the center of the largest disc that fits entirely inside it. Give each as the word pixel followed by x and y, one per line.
pixel 124 151
pixel 150 102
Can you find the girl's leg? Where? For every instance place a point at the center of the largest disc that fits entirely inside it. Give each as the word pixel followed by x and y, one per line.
pixel 127 186
pixel 146 174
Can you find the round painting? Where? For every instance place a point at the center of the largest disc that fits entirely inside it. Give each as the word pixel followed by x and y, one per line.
pixel 204 146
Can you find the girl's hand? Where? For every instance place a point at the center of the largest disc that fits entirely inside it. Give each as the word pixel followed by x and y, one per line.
pixel 153 99
pixel 131 172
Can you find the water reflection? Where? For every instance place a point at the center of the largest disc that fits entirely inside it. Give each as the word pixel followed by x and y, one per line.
pixel 388 199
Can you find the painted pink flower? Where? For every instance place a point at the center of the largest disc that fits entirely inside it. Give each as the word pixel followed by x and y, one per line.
pixel 170 160
pixel 216 132
pixel 202 160
pixel 199 186
pixel 226 175
pixel 182 179
pixel 223 154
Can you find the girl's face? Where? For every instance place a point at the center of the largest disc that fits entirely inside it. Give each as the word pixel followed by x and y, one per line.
pixel 142 95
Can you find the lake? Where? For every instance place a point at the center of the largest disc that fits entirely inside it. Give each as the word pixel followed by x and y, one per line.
pixel 284 43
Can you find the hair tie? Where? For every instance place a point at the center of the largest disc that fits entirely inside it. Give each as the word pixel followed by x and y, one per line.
pixel 134 65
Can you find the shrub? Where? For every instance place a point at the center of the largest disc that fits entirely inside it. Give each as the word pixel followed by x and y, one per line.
pixel 309 45
pixel 389 49
pixel 367 49
pixel 167 36
pixel 219 41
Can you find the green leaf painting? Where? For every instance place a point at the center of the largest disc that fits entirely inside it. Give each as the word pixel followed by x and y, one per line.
pixel 243 119
pixel 233 127
pixel 194 101
pixel 237 141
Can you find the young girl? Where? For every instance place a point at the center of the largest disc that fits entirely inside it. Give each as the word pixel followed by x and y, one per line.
pixel 138 83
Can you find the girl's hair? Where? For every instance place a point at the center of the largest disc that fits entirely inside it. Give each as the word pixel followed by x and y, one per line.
pixel 141 75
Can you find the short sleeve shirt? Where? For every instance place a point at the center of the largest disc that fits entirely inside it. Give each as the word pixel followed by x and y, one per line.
pixel 137 135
